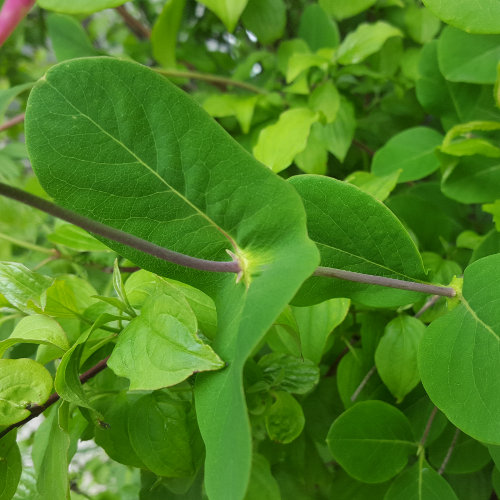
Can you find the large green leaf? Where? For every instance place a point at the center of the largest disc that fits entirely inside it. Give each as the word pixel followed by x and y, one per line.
pixel 317 29
pixel 116 142
pixel 78 6
pixel 342 10
pixel 228 11
pixel 468 15
pixel 371 441
pixel 355 232
pixel 460 355
pixel 266 19
pixel 10 466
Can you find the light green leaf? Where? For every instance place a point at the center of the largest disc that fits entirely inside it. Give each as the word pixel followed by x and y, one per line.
pixel 262 484
pixel 396 355
pixel 76 238
pixel 299 62
pixel 343 10
pixel 278 144
pixel 23 382
pixel 325 99
pixel 316 323
pixel 164 32
pixel 266 19
pixel 10 466
pixel 468 58
pixel 365 40
pixel 422 25
pixel 23 288
pixel 158 349
pixel 494 209
pixel 37 329
pixel 314 158
pixel 317 28
pixel 120 290
pixel 284 419
pixel 378 187
pixel 460 352
pixel 78 6
pixel 411 151
pixel 180 183
pixel 420 482
pixel 240 106
pixel 228 11
pixel 461 140
pixel 7 96
pixel 468 15
pixel 355 232
pixel 68 37
pixel 371 441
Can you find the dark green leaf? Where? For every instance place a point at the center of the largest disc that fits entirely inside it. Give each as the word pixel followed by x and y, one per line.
pixel 266 19
pixel 10 466
pixel 284 419
pixel 317 29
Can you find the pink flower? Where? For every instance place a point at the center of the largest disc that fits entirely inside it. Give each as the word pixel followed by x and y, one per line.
pixel 12 13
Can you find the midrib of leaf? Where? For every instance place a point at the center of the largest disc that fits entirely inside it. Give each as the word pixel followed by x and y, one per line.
pixel 487 327
pixel 149 168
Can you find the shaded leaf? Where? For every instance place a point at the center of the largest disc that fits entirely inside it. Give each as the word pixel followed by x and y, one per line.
pixel 266 19
pixel 10 466
pixel 284 419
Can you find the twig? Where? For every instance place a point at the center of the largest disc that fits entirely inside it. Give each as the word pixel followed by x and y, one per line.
pixel 362 384
pixel 142 32
pixel 30 246
pixel 37 410
pixel 13 121
pixel 363 147
pixel 449 452
pixel 428 426
pixel 432 300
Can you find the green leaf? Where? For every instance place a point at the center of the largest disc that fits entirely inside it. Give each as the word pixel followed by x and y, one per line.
pixel 495 454
pixel 396 355
pixel 23 382
pixel 316 323
pixel 158 349
pixel 325 99
pixel 120 290
pixel 411 151
pixel 496 480
pixel 473 180
pixel 344 487
pixel 459 352
pixel 159 177
pixel 240 106
pixel 68 38
pixel 468 15
pixel 8 95
pixel 371 441
pixel 378 187
pixel 314 158
pixel 468 58
pixel 78 6
pixel 299 62
pixel 162 433
pixel 289 373
pixel 228 11
pixel 266 19
pixel 365 40
pixel 494 209
pixel 284 419
pixel 355 232
pixel 421 24
pixel 23 288
pixel 164 32
pixel 343 10
pixel 462 140
pixel 76 238
pixel 37 329
pixel 10 466
pixel 262 484
pixel 278 144
pixel 420 482
pixel 318 29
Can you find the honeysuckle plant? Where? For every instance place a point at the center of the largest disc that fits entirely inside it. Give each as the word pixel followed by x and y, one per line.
pixel 299 301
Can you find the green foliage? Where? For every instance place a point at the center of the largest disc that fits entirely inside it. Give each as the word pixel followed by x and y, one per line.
pixel 271 383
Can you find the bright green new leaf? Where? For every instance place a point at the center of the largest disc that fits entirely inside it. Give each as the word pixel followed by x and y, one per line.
pixel 279 143
pixel 266 19
pixel 262 486
pixel 240 106
pixel 157 349
pixel 10 466
pixel 380 187
pixel 411 151
pixel 365 40
pixel 78 6
pixel 23 288
pixel 460 353
pixel 37 329
pixel 468 58
pixel 76 238
pixel 325 99
pixel 163 434
pixel 68 37
pixel 422 25
pixel 355 232
pixel 316 323
pixel 284 419
pixel 299 62
pixel 184 184
pixel 164 32
pixel 23 382
pixel 468 15
pixel 371 441
pixel 343 10
pixel 463 140
pixel 317 28
pixel 120 290
pixel 228 11
pixel 420 482
pixel 314 158
pixel 396 355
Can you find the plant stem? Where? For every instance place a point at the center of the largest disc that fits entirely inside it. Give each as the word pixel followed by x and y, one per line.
pixel 363 383
pixel 141 31
pixel 432 300
pixel 37 410
pixel 24 244
pixel 13 121
pixel 449 452
pixel 370 279
pixel 428 426
pixel 117 235
pixel 220 80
